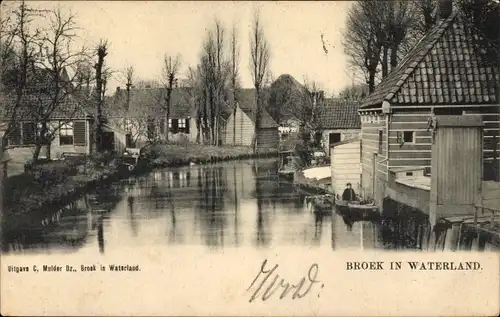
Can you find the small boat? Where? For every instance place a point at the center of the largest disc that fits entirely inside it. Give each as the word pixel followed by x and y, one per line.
pixel 356 209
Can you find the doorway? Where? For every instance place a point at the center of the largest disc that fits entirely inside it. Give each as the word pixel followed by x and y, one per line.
pixel 108 141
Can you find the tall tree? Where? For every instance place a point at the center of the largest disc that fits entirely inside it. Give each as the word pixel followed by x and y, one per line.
pixel 259 64
pixel 234 77
pixel 57 56
pixel 19 50
pixel 215 68
pixel 100 78
pixel 170 72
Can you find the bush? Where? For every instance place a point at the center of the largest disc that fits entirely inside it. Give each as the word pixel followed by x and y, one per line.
pixel 53 173
pixel 28 166
pixel 18 186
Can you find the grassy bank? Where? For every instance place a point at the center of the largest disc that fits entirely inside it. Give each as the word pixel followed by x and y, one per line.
pixel 167 155
pixel 53 182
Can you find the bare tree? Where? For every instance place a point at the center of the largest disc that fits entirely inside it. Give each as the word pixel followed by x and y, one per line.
pixel 19 51
pixel 57 57
pixel 215 68
pixel 259 63
pixel 234 73
pixel 195 83
pixel 101 52
pixel 170 73
pixel 129 82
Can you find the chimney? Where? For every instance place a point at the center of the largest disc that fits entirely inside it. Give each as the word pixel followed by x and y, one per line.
pixel 445 8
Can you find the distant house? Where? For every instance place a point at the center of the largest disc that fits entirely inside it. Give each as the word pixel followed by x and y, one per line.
pixel 70 122
pixel 339 121
pixel 141 114
pixel 442 75
pixel 240 126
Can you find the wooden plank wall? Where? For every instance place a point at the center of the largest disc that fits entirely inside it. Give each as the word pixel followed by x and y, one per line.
pixel 417 154
pixel 244 129
pixel 344 166
pixel 268 138
pixel 369 145
pixel 456 157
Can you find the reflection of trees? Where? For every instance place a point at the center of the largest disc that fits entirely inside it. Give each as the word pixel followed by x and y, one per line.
pixel 318 226
pixel 100 235
pixel 263 232
pixel 212 186
pixel 131 212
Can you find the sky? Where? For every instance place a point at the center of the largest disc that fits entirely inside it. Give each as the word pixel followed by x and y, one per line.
pixel 140 33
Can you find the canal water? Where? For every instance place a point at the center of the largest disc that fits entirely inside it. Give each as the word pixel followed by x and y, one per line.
pixel 226 205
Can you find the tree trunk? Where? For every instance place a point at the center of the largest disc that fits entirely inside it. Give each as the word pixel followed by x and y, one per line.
pixel 371 81
pixel 394 56
pixel 385 62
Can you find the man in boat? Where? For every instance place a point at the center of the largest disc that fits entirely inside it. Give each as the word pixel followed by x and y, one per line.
pixel 349 194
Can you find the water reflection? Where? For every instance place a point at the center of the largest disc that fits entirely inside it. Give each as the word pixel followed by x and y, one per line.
pixel 219 206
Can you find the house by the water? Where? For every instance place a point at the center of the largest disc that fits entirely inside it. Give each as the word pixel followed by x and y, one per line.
pixel 339 121
pixel 141 114
pixel 70 121
pixel 240 126
pixel 443 75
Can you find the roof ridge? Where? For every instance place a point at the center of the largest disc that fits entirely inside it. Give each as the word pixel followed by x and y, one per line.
pixel 440 29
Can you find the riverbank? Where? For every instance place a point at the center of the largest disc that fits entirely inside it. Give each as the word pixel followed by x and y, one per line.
pixel 173 155
pixel 32 193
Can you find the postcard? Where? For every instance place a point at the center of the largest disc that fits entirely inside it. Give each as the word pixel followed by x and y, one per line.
pixel 182 158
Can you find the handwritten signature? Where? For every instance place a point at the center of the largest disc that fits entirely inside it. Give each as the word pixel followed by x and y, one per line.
pixel 278 284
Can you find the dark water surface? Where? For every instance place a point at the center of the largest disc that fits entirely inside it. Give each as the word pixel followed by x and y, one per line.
pixel 227 205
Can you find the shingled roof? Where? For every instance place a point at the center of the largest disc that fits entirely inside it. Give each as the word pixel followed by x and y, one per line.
pixel 247 103
pixel 148 102
pixel 339 114
pixel 39 94
pixel 444 68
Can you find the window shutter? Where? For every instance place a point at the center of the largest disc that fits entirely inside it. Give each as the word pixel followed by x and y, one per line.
pixel 15 135
pixel 187 124
pixel 175 125
pixel 79 133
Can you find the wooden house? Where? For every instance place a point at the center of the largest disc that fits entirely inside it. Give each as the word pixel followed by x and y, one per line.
pixel 338 121
pixel 444 74
pixel 69 122
pixel 240 126
pixel 345 161
pixel 141 114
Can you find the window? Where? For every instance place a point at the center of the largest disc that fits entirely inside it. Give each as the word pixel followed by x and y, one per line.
pixel 409 137
pixel 66 133
pixel 182 123
pixel 334 138
pixel 380 140
pixel 169 124
pixel 28 133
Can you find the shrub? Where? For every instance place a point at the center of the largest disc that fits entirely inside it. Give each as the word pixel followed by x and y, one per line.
pixel 18 186
pixel 53 173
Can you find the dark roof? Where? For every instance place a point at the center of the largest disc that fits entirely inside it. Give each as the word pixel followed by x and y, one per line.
pixel 339 114
pixel 247 103
pixel 149 102
pixel 443 68
pixel 38 93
